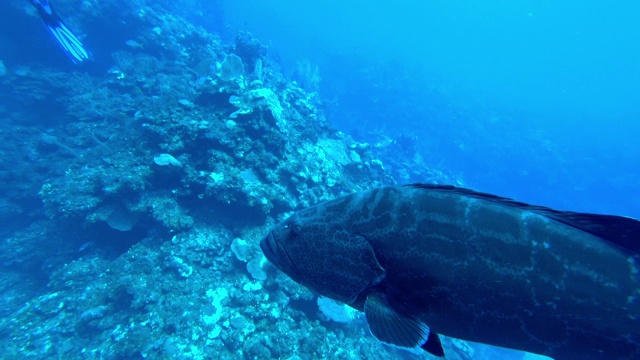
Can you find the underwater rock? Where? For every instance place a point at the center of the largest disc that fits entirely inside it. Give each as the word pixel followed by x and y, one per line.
pixel 180 266
pixel 121 219
pixel 94 313
pixel 249 48
pixel 49 304
pixel 166 159
pixel 186 104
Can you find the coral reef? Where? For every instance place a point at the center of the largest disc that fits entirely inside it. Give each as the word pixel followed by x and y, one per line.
pixel 137 196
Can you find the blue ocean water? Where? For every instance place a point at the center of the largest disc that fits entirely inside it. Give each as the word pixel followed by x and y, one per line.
pixel 534 100
pixel 137 184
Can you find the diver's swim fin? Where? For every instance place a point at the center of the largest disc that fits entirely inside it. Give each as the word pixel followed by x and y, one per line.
pixel 67 40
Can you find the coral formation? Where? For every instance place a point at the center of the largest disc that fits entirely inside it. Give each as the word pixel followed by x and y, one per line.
pixel 155 181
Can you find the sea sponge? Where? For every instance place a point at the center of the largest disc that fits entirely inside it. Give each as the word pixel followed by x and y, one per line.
pixel 231 68
pixel 166 159
pixel 335 311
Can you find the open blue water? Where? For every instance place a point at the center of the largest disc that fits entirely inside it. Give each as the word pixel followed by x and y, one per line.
pixel 536 100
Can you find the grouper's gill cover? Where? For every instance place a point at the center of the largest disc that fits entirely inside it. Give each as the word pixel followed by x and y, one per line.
pixel 421 260
pixel 331 261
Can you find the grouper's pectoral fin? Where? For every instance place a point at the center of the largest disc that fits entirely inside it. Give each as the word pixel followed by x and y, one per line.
pixel 392 327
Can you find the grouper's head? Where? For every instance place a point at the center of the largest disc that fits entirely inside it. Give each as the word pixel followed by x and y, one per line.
pixel 316 250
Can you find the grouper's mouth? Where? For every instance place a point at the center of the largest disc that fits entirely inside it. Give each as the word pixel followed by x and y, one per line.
pixel 269 248
pixel 274 252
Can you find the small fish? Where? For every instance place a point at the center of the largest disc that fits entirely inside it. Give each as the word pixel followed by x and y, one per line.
pixel 422 260
pixel 133 44
pixel 86 246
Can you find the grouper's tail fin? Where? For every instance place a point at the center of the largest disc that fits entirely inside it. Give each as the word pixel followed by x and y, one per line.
pixel 67 40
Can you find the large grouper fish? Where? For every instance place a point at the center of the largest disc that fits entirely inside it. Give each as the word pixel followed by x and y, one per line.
pixel 422 260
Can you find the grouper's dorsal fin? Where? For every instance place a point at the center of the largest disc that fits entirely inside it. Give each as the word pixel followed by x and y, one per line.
pixel 620 230
pixel 392 327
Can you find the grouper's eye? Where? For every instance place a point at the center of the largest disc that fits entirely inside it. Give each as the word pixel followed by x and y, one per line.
pixel 293 227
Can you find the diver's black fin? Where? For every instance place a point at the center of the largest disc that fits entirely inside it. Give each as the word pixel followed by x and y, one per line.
pixel 392 327
pixel 620 230
pixel 67 40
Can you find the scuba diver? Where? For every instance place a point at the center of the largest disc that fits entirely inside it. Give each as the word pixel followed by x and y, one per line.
pixel 61 33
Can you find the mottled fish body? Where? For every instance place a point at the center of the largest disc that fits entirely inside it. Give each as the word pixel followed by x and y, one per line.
pixel 422 260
